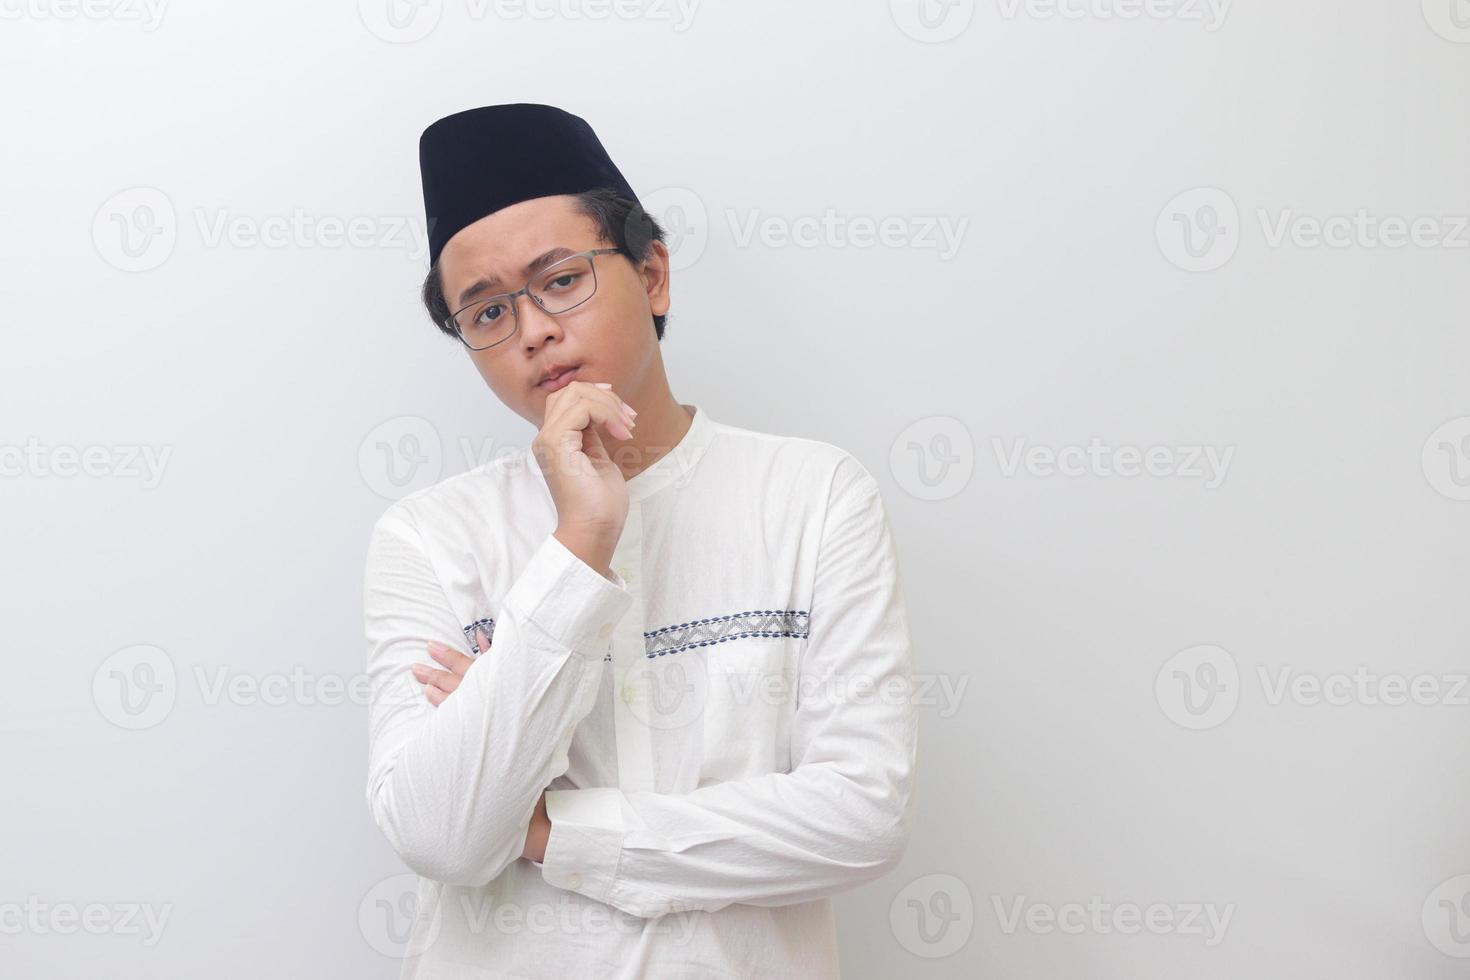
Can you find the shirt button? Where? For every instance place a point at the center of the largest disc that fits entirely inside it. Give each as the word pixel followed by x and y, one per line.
pixel 625 573
pixel 629 694
pixel 605 630
pixel 574 881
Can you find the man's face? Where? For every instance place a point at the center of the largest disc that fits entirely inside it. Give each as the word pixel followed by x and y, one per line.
pixel 610 337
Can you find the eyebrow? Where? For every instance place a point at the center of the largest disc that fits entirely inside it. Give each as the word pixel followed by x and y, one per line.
pixel 489 282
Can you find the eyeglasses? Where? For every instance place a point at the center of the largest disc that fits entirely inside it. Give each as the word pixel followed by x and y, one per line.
pixel 556 289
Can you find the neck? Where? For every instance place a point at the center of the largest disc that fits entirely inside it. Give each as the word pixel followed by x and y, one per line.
pixel 662 423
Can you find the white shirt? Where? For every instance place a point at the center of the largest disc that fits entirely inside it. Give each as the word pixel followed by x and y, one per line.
pixel 724 727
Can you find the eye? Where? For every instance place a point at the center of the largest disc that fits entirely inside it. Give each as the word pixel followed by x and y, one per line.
pixel 563 281
pixel 490 313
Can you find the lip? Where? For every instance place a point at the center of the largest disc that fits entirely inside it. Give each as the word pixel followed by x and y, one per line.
pixel 559 381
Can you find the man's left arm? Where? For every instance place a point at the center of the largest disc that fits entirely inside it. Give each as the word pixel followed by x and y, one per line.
pixel 840 817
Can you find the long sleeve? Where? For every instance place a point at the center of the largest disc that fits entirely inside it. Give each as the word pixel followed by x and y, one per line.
pixel 453 788
pixel 838 818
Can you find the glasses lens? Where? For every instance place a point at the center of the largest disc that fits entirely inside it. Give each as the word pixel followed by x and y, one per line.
pixel 565 285
pixel 486 323
pixel 556 290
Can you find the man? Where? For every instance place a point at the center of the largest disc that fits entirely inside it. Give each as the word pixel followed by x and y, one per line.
pixel 640 693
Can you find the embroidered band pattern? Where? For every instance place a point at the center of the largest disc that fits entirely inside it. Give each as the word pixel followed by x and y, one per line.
pixel 479 634
pixel 705 632
pixel 686 636
pixel 482 631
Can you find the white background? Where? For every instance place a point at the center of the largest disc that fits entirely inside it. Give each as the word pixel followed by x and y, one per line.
pixel 1133 190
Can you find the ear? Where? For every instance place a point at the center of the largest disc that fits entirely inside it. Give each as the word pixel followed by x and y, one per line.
pixel 655 274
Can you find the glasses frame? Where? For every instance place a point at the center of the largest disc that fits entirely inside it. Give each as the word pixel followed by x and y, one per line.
pixel 452 323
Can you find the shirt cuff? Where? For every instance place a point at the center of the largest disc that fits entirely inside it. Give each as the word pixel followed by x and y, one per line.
pixel 569 600
pixel 586 840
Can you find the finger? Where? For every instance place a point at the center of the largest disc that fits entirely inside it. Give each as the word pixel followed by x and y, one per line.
pixel 628 410
pixel 580 405
pixel 436 697
pixel 602 391
pixel 452 659
pixel 442 679
pixel 588 413
pixel 592 443
pixel 571 450
pixel 571 438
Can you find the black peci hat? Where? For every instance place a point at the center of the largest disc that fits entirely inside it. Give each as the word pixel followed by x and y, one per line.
pixel 478 161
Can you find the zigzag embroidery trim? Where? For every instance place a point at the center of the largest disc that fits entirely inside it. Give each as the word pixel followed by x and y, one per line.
pixel 686 636
pixel 479 634
pixel 482 631
pixel 718 629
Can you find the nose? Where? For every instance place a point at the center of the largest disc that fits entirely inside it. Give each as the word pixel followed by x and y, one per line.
pixel 535 324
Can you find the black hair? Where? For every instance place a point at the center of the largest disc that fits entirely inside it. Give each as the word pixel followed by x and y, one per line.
pixel 620 221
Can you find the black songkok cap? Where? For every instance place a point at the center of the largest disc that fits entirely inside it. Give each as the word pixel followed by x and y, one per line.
pixel 478 161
